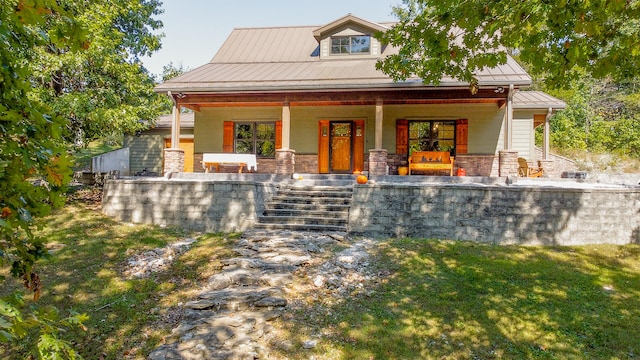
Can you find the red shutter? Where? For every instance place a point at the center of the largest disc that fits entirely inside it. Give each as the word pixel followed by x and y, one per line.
pixel 323 146
pixel 462 136
pixel 278 134
pixel 402 136
pixel 227 137
pixel 358 146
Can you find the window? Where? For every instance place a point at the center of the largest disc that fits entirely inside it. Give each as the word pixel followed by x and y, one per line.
pixel 255 138
pixel 432 136
pixel 351 44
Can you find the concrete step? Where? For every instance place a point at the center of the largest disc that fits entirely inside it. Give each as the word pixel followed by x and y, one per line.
pixel 308 207
pixel 284 199
pixel 330 193
pixel 342 214
pixel 300 227
pixel 289 220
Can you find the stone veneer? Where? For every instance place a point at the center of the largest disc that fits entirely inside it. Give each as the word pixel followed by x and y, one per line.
pixel 227 206
pixel 471 210
pixel 173 161
pixel 497 213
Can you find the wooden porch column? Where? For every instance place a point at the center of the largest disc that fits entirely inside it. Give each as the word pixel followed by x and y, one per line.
pixel 379 118
pixel 286 126
pixel 508 128
pixel 175 127
pixel 546 137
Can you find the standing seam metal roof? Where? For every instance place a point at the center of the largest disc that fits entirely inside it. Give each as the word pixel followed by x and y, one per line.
pixel 286 58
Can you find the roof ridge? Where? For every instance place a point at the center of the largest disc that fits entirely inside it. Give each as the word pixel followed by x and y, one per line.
pixel 275 27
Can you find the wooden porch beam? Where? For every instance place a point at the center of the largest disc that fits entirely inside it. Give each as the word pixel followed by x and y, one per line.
pixel 327 98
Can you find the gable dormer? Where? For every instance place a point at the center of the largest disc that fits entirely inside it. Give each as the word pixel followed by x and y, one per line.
pixel 349 37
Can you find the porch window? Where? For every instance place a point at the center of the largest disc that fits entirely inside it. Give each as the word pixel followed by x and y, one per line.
pixel 257 138
pixel 360 44
pixel 432 136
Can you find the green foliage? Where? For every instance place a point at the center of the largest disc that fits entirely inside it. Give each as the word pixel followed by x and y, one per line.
pixel 558 38
pixel 171 71
pixel 601 116
pixel 105 88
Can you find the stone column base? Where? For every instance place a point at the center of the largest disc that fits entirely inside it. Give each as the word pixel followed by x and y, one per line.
pixel 508 163
pixel 285 161
pixel 378 162
pixel 173 161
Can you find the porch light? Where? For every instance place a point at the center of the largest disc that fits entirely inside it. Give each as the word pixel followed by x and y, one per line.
pixel 499 90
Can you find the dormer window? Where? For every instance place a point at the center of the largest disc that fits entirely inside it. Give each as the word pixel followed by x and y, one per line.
pixel 360 44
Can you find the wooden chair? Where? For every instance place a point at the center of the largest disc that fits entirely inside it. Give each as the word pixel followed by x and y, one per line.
pixel 525 171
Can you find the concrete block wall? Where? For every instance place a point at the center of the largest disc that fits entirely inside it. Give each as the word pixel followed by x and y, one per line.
pixel 225 206
pixel 497 214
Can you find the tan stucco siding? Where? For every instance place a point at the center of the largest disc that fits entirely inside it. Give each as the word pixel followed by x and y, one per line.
pixel 485 122
pixel 209 123
pixel 304 124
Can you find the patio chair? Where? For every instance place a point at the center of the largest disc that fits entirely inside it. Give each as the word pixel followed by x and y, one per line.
pixel 525 171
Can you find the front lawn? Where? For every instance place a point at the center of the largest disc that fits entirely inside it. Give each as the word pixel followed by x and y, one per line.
pixel 432 299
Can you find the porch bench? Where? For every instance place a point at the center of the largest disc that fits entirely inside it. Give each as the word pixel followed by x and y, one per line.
pixel 241 160
pixel 430 161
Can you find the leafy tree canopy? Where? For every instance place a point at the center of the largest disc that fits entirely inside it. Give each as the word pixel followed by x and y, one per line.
pixel 104 88
pixel 556 37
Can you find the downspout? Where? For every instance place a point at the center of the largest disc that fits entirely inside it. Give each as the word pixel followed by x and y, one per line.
pixel 175 123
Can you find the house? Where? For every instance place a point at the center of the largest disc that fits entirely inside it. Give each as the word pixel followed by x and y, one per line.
pixel 309 99
pixel 146 148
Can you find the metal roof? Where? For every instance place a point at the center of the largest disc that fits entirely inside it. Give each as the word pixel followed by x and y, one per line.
pixel 287 58
pixel 536 100
pixel 165 121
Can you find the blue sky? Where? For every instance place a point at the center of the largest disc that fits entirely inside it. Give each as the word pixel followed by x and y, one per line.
pixel 195 29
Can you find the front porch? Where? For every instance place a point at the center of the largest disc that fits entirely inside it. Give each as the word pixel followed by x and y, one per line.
pixel 378 134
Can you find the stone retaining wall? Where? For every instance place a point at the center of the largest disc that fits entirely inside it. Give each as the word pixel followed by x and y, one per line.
pixel 497 214
pixel 225 206
pixel 485 212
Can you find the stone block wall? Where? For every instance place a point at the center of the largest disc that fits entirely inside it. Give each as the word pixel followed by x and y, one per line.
pixel 477 165
pixel 497 214
pixel 228 206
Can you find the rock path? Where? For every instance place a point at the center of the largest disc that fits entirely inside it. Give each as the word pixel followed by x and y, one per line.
pixel 231 318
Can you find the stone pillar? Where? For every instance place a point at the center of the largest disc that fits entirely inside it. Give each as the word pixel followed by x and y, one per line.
pixel 508 163
pixel 548 166
pixel 173 161
pixel 378 162
pixel 285 161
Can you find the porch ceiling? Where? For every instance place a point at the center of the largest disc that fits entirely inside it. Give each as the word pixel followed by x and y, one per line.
pixel 196 101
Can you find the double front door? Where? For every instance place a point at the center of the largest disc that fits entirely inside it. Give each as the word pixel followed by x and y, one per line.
pixel 341 146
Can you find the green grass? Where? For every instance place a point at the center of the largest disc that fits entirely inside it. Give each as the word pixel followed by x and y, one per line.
pixel 127 318
pixel 433 299
pixel 462 300
pixel 83 156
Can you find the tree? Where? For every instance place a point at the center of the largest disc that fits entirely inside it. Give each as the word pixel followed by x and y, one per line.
pixel 105 88
pixel 171 71
pixel 33 164
pixel 559 38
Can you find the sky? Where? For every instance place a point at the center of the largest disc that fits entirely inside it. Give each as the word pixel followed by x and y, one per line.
pixel 194 30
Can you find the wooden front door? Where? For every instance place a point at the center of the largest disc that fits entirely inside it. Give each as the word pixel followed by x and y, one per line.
pixel 340 149
pixel 340 146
